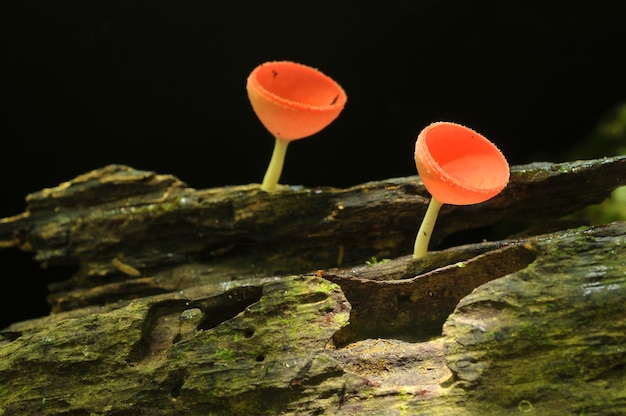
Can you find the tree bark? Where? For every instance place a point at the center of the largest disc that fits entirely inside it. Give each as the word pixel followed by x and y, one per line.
pixel 236 301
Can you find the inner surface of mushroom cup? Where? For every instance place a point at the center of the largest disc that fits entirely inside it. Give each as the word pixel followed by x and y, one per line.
pixel 292 100
pixel 458 165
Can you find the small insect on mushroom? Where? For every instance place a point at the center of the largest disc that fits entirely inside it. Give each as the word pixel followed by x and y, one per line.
pixel 292 102
pixel 457 166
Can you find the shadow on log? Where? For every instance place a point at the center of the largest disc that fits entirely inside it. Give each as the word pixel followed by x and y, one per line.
pixel 231 301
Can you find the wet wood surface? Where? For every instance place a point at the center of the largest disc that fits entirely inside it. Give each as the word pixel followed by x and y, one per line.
pixel 235 301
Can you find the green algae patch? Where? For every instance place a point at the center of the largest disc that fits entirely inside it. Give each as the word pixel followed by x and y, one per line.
pixel 248 350
pixel 69 362
pixel 550 336
pixel 274 348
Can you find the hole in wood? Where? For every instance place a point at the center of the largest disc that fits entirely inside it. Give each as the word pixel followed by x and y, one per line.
pixel 414 309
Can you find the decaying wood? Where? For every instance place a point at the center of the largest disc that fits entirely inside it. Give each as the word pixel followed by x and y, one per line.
pixel 136 233
pixel 177 307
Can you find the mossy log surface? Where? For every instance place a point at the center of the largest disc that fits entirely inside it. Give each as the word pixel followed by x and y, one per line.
pixel 230 301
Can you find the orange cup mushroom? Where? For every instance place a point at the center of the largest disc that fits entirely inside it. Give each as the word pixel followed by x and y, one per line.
pixel 293 101
pixel 457 166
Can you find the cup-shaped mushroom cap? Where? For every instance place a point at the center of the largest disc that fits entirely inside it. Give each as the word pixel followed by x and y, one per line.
pixel 292 100
pixel 458 165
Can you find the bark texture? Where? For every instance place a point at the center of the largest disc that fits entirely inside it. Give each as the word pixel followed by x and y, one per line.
pixel 234 301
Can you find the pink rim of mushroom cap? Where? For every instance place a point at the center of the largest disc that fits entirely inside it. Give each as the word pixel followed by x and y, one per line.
pixel 458 165
pixel 292 100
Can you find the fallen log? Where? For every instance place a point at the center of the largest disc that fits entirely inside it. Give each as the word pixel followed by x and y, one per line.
pixel 231 301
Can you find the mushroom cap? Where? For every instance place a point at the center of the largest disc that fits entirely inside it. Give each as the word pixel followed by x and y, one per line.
pixel 458 165
pixel 292 100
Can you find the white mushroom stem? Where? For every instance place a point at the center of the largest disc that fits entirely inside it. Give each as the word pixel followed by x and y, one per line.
pixel 426 229
pixel 275 168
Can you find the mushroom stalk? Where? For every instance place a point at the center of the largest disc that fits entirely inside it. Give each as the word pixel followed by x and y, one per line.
pixel 275 168
pixel 426 229
pixel 292 101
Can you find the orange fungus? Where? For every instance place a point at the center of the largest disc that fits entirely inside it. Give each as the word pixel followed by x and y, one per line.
pixel 292 100
pixel 458 165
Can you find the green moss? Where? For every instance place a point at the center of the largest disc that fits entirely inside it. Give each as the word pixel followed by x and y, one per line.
pixel 225 355
pixel 373 260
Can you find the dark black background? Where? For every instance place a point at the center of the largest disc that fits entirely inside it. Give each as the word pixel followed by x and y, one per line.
pixel 161 86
